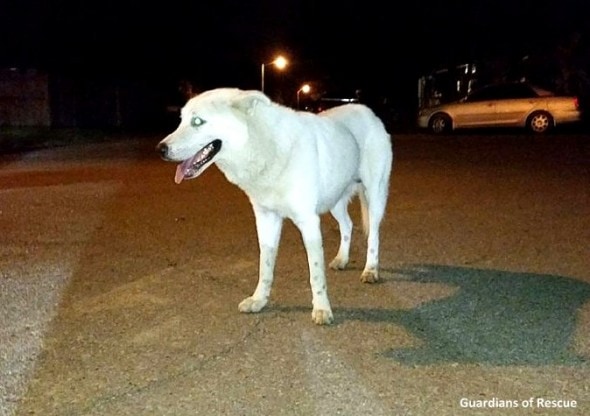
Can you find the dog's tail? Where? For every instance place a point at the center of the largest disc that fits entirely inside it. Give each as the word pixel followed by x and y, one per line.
pixel 364 210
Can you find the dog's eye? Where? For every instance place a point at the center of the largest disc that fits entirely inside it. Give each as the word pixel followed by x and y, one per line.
pixel 197 121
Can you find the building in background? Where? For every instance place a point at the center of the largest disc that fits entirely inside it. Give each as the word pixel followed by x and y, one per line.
pixel 24 98
pixel 34 98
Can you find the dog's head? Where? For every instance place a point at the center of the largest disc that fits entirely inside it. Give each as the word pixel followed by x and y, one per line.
pixel 212 124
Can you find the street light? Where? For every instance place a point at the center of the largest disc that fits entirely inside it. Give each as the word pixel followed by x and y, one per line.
pixel 305 88
pixel 280 62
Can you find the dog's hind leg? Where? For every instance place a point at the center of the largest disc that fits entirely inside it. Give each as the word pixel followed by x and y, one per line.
pixel 268 226
pixel 340 213
pixel 309 226
pixel 374 201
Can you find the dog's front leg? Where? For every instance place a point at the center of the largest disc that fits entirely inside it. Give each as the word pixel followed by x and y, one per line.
pixel 268 227
pixel 312 239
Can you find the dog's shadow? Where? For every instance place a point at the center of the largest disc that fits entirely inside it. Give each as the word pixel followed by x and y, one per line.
pixel 495 317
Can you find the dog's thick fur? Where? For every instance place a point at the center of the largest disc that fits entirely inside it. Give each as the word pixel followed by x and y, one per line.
pixel 295 165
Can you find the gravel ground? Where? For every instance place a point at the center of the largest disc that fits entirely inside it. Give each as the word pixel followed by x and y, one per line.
pixel 119 289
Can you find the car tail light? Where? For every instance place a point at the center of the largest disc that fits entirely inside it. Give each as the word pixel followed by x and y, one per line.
pixel 576 103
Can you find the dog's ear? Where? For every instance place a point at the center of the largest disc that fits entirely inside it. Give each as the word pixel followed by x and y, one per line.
pixel 247 101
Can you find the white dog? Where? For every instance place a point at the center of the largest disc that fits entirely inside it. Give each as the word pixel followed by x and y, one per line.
pixel 294 165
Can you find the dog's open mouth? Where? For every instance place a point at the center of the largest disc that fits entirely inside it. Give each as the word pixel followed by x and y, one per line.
pixel 194 166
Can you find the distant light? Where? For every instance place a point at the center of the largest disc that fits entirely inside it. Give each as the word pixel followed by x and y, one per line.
pixel 280 62
pixel 305 88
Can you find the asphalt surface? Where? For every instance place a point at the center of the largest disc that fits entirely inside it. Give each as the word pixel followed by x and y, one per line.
pixel 119 289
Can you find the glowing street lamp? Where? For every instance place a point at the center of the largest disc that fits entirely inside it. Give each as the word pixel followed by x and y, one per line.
pixel 305 88
pixel 280 62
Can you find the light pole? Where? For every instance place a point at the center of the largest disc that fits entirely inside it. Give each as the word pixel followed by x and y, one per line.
pixel 280 62
pixel 305 88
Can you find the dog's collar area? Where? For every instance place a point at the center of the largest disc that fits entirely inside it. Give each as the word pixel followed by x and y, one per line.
pixel 192 167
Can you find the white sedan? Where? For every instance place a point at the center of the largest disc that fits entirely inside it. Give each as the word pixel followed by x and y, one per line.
pixel 503 105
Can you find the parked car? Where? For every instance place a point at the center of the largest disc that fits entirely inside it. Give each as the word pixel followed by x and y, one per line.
pixel 519 105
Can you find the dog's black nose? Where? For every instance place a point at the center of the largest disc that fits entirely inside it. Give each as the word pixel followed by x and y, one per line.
pixel 162 148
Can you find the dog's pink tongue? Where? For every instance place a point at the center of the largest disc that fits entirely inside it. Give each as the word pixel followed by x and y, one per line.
pixel 179 176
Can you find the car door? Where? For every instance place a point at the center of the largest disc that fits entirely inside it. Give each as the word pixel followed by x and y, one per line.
pixel 515 102
pixel 481 107
pixel 475 114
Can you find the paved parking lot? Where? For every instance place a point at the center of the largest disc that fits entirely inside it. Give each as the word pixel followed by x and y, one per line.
pixel 119 289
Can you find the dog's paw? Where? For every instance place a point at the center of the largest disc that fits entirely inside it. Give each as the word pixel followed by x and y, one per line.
pixel 251 305
pixel 370 276
pixel 322 317
pixel 338 264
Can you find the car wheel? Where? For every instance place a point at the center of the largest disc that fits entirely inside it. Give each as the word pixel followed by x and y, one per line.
pixel 440 123
pixel 540 122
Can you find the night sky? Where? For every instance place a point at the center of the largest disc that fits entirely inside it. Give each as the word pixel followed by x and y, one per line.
pixel 223 42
